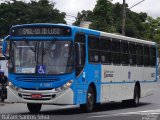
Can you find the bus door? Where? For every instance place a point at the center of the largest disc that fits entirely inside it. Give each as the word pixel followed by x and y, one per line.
pixel 80 61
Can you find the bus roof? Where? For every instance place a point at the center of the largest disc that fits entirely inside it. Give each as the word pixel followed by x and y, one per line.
pixel 121 37
pixel 128 38
pixel 91 31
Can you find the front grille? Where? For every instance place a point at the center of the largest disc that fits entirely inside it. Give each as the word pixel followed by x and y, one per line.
pixel 37 89
pixel 28 96
pixel 37 79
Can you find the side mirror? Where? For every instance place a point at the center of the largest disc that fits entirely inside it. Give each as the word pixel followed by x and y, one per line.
pixel 78 53
pixel 5 46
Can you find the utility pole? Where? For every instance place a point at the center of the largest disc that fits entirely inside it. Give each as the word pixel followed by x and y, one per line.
pixel 124 17
pixel 124 14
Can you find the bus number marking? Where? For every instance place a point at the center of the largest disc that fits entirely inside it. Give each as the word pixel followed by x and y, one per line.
pixel 46 85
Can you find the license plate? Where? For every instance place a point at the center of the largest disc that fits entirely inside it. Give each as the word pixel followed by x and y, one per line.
pixel 36 96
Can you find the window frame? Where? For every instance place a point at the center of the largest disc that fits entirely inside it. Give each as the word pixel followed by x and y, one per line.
pixel 92 49
pixel 116 52
pixel 108 59
pixel 126 62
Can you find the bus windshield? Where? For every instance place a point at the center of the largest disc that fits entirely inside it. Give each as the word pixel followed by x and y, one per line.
pixel 56 57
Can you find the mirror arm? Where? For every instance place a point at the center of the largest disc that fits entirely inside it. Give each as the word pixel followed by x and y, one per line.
pixel 5 46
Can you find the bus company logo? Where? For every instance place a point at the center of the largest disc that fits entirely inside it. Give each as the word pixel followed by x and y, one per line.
pixel 108 73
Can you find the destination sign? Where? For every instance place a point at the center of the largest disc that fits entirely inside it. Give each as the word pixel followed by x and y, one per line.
pixel 41 31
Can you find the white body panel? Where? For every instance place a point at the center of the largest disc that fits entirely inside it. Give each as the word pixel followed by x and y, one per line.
pixel 64 97
pixel 118 82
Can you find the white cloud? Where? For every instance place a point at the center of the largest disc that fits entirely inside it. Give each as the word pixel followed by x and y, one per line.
pixel 74 6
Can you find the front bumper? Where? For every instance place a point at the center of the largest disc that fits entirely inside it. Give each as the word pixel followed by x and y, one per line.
pixel 48 96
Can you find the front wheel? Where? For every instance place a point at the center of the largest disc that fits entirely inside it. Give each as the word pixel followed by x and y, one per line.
pixel 90 102
pixel 34 108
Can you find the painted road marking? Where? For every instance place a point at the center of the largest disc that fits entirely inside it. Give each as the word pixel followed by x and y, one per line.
pixel 68 106
pixel 156 111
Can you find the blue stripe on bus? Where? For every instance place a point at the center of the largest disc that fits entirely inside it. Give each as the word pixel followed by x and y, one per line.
pixel 150 81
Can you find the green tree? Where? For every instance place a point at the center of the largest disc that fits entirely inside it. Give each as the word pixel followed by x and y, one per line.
pixel 18 12
pixel 102 16
pixel 107 17
pixel 84 16
pixel 152 29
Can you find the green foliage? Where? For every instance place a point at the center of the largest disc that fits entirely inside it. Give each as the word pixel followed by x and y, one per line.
pixel 107 17
pixel 102 16
pixel 18 12
pixel 84 16
pixel 152 29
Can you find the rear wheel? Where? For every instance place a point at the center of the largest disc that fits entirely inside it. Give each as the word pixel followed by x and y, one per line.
pixel 136 96
pixel 135 100
pixel 34 108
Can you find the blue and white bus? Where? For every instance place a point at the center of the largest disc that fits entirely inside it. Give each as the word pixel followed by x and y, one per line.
pixel 69 65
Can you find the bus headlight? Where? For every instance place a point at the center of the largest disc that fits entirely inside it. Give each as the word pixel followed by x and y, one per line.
pixel 10 84
pixel 65 86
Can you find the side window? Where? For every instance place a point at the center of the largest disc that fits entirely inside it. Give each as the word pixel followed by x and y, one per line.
pixel 105 47
pixel 132 53
pixel 139 50
pixel 146 57
pixel 80 52
pixel 124 53
pixel 116 59
pixel 93 44
pixel 153 56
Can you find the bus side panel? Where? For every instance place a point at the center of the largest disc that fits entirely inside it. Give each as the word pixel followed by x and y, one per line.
pixel 137 73
pixel 107 77
pixel 93 75
pixel 90 74
pixel 149 84
pixel 81 90
pixel 116 83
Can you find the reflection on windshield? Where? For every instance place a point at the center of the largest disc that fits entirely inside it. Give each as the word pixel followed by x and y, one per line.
pixel 54 57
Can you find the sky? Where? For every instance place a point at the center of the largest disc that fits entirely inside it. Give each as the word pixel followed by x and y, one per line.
pixel 71 7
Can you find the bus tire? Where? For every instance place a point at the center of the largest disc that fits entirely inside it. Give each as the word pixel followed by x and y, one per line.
pixel 34 108
pixel 136 96
pixel 135 101
pixel 90 102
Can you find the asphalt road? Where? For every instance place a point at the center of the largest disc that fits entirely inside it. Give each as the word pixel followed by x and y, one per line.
pixel 149 109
